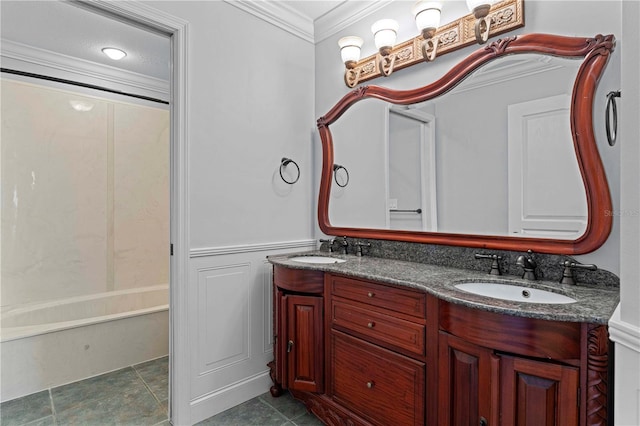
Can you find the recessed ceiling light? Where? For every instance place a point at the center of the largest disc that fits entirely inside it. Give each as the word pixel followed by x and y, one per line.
pixel 113 53
pixel 81 106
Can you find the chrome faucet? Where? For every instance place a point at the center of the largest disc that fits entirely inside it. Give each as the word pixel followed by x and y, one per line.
pixel 344 243
pixel 529 265
pixel 568 276
pixel 495 265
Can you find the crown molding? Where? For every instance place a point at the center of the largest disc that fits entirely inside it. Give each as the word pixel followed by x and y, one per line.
pixel 31 59
pixel 280 15
pixel 345 15
pixel 300 25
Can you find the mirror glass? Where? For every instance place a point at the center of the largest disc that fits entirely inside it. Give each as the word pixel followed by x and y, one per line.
pixel 493 156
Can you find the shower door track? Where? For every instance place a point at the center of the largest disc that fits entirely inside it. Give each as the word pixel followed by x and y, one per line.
pixel 76 83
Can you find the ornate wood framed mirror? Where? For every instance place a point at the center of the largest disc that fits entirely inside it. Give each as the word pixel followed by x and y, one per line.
pixel 543 193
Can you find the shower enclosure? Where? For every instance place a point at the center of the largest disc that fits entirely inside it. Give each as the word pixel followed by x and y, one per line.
pixel 84 234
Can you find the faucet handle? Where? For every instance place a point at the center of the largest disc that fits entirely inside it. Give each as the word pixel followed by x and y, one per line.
pixel 495 265
pixel 569 266
pixel 329 242
pixel 359 246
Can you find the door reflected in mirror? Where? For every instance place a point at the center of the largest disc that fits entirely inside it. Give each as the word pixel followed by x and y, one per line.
pixel 494 156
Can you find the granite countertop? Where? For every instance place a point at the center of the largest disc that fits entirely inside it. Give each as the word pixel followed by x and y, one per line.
pixel 594 304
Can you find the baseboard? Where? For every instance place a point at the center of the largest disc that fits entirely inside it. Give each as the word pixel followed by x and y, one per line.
pixel 624 333
pixel 229 396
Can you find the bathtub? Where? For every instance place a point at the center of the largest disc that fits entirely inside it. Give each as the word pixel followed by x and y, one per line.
pixel 53 343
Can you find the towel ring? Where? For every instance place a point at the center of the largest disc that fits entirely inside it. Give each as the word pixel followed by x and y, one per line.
pixel 284 163
pixel 611 114
pixel 337 167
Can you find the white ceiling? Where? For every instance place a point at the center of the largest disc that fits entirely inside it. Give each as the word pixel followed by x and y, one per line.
pixel 67 29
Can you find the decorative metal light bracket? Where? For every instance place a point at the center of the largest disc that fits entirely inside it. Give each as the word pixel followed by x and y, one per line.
pixel 504 16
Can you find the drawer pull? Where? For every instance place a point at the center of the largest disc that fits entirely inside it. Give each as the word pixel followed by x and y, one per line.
pixel 371 324
pixel 370 294
pixel 370 384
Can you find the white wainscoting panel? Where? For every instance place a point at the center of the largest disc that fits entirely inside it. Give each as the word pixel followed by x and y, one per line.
pixel 223 293
pixel 231 327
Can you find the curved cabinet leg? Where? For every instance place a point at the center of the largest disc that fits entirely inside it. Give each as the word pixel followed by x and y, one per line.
pixel 275 390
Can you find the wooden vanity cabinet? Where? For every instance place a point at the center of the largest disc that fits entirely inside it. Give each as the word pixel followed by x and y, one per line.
pixel 499 369
pixel 299 341
pixel 365 353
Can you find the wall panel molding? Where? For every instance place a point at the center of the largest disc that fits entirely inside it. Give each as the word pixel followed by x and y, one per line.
pixel 232 326
pixel 249 248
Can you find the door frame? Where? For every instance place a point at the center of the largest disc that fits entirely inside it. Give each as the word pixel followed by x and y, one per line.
pixel 429 201
pixel 177 29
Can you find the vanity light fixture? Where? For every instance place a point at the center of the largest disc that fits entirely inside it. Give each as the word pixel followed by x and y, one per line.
pixel 113 53
pixel 488 18
pixel 427 16
pixel 385 32
pixel 480 10
pixel 350 52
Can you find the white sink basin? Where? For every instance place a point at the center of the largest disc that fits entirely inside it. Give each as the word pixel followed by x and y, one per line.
pixel 317 259
pixel 514 293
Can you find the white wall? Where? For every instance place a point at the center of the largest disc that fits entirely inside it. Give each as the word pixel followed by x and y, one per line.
pixel 624 327
pixel 250 103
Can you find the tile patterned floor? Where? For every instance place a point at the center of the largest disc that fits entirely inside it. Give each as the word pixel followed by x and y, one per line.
pixel 138 396
pixel 265 410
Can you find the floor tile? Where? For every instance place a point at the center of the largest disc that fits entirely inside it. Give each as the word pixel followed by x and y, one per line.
pixel 95 388
pixel 307 419
pixel 117 398
pixel 286 404
pixel 47 421
pixel 26 409
pixel 127 409
pixel 252 412
pixel 155 374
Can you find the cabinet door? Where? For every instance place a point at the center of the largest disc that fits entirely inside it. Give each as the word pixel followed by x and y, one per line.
pixel 468 383
pixel 536 393
pixel 303 342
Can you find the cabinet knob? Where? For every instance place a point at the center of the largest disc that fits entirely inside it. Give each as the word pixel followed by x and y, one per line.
pixel 483 422
pixel 370 294
pixel 370 384
pixel 289 346
pixel 371 324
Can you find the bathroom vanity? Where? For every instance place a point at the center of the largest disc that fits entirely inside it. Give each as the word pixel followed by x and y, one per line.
pixel 391 337
pixel 387 342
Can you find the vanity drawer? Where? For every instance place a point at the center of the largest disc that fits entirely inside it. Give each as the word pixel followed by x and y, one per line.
pixel 396 299
pixel 380 385
pixel 384 329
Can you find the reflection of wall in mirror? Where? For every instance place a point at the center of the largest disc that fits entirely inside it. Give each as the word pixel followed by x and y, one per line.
pixel 472 150
pixel 358 145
